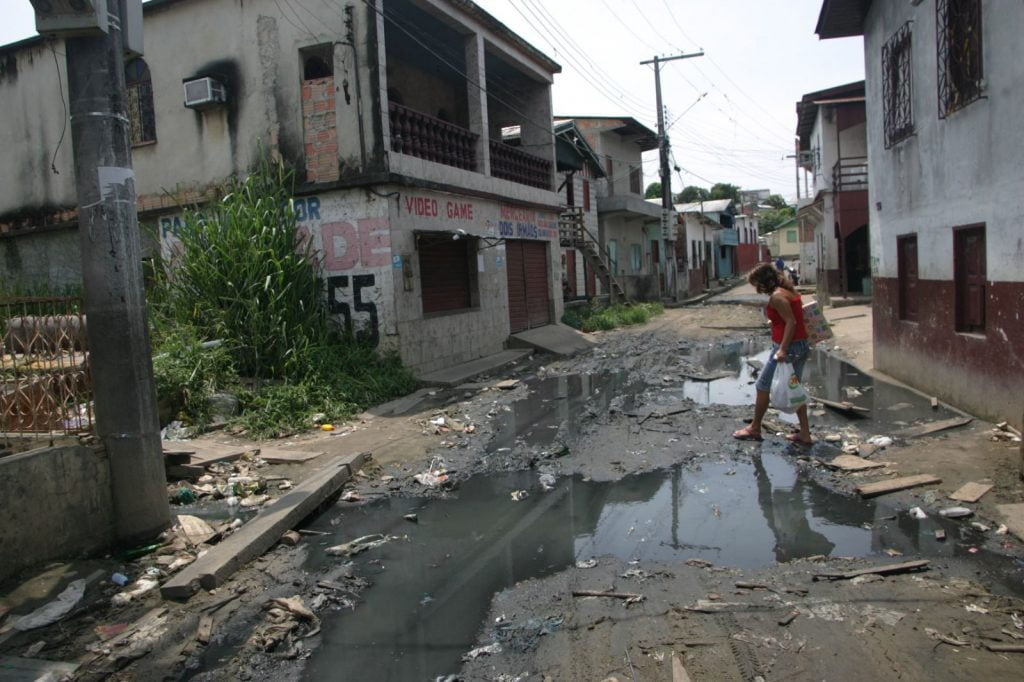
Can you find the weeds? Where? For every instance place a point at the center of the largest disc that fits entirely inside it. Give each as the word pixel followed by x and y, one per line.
pixel 244 276
pixel 593 318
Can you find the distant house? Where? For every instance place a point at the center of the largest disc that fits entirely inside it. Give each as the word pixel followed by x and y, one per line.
pixel 834 218
pixel 784 241
pixel 944 93
pixel 748 248
pixel 629 226
pixel 708 229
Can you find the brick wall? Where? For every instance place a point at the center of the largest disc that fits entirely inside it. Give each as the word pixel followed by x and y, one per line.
pixel 319 130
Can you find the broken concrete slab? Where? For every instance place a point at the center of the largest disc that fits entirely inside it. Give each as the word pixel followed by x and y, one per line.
pixel 887 569
pixel 932 427
pixel 400 406
pixel 1013 517
pixel 971 492
pixel 453 376
pixel 202 453
pixel 557 339
pixel 282 456
pixel 262 532
pixel 892 485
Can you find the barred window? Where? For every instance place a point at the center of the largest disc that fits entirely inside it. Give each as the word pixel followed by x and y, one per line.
pixel 897 105
pixel 141 116
pixel 958 24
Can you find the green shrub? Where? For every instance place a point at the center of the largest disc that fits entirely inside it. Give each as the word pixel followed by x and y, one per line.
pixel 186 374
pixel 593 318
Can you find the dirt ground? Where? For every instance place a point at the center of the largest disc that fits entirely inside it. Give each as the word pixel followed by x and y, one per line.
pixel 615 413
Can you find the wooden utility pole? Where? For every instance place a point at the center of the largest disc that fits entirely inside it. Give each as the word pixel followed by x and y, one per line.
pixel 663 149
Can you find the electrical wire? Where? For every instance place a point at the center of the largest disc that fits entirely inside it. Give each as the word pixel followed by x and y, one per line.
pixel 64 129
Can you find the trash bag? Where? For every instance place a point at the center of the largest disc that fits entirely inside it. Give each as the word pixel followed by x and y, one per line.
pixel 787 392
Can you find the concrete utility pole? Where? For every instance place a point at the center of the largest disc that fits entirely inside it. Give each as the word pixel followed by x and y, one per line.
pixel 663 147
pixel 108 228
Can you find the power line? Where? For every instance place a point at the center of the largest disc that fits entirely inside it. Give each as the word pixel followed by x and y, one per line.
pixel 626 26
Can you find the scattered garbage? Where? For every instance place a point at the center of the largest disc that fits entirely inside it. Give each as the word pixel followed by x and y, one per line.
pixel 413 518
pixel 286 617
pixel 977 525
pixel 589 563
pixel 359 545
pixel 547 481
pixel 956 512
pixel 175 431
pixel 54 610
pixel 918 513
pixel 974 608
pixel 518 495
pixel 290 538
pixel 435 476
pixel 351 496
pixel 482 651
pixel 139 588
pixel 940 535
pixel 880 441
pixel 1002 530
pixel 119 579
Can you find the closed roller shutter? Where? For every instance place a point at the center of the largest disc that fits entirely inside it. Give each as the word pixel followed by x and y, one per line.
pixel 529 299
pixel 444 274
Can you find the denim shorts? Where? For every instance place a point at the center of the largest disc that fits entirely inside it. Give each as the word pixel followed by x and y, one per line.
pixel 798 352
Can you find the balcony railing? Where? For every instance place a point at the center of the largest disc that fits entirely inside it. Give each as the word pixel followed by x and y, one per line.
pixel 513 164
pixel 850 174
pixel 425 137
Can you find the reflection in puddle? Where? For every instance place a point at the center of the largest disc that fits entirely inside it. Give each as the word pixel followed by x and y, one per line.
pixel 433 589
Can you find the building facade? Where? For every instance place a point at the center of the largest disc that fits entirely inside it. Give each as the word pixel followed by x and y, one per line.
pixel 438 238
pixel 945 88
pixel 834 217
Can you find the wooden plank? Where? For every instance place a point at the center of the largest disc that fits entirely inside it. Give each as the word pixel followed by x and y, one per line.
pixel 679 673
pixel 853 463
pixel 971 492
pixel 1006 648
pixel 280 456
pixel 15 669
pixel 887 569
pixel 205 630
pixel 933 427
pixel 844 406
pixel 709 376
pixel 208 453
pixel 260 534
pixel 892 485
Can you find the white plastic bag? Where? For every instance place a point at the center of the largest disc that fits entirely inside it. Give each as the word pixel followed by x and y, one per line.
pixel 787 392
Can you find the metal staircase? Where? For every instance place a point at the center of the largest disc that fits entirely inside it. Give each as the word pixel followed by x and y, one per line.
pixel 574 234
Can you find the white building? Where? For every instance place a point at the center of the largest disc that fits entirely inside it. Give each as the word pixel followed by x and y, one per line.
pixel 945 92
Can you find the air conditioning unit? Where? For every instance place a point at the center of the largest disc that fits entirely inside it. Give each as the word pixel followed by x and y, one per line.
pixel 203 93
pixel 70 17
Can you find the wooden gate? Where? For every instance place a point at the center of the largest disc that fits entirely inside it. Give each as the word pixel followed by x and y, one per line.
pixel 529 300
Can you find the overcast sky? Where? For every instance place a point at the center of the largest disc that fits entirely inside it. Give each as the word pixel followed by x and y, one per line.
pixel 761 57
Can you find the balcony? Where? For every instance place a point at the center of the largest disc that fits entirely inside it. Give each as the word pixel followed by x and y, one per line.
pixel 850 174
pixel 425 137
pixel 510 163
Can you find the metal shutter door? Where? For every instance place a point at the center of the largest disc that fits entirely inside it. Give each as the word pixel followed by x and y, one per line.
pixel 517 311
pixel 444 275
pixel 538 301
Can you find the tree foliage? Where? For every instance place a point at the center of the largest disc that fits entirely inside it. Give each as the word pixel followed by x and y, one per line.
pixel 774 217
pixel 692 193
pixel 776 201
pixel 724 190
pixel 653 191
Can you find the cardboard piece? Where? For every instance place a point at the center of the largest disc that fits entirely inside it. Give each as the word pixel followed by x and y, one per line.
pixel 892 485
pixel 971 492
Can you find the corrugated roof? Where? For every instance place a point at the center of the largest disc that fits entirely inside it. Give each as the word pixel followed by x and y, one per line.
pixel 648 139
pixel 712 206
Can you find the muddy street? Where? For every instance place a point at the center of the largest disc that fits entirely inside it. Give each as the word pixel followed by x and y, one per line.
pixel 616 472
pixel 592 518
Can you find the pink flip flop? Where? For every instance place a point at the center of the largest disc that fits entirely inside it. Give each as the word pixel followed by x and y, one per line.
pixel 795 438
pixel 746 433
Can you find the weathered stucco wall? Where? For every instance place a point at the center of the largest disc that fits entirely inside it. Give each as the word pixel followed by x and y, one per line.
pixel 48 259
pixel 960 170
pixel 54 503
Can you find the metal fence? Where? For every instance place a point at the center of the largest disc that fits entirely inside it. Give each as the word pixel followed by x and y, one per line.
pixel 45 367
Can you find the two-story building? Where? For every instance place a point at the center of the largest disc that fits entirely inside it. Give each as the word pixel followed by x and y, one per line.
pixel 629 227
pixel 437 238
pixel 834 217
pixel 945 88
pixel 708 230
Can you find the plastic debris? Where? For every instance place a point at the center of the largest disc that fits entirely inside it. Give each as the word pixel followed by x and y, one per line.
pixel 483 651
pixel 1002 530
pixel 547 481
pixel 918 513
pixel 438 421
pixel 139 588
pixel 359 545
pixel 977 525
pixel 327 427
pixel 518 495
pixel 119 579
pixel 880 441
pixel 413 518
pixel 54 610
pixel 351 496
pixel 956 512
pixel 974 608
pixel 429 479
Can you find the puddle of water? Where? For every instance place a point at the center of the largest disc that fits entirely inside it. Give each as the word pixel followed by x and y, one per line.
pixel 567 400
pixel 432 589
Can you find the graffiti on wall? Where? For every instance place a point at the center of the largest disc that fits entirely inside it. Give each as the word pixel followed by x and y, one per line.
pixel 353 247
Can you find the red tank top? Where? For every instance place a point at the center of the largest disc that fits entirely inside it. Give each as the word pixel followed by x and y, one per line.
pixel 779 325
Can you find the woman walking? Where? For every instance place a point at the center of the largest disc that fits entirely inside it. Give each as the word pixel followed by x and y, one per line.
pixel 789 338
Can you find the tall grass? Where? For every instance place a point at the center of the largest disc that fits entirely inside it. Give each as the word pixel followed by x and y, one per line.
pixel 244 276
pixel 594 318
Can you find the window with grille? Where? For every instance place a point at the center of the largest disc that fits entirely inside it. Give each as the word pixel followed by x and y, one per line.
pixel 958 29
pixel 896 89
pixel 141 117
